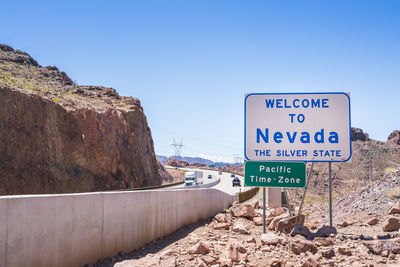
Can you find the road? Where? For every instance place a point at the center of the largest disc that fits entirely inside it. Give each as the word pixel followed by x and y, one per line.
pixel 224 185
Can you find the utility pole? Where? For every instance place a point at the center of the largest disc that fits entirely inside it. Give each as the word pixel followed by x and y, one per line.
pixel 177 149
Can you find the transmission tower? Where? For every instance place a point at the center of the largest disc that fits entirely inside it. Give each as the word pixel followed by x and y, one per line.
pixel 237 159
pixel 368 154
pixel 177 149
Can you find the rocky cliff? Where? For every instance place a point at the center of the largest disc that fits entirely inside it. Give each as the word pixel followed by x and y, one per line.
pixel 59 137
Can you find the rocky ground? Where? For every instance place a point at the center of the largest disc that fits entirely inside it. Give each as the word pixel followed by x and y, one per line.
pixel 235 238
pixel 366 234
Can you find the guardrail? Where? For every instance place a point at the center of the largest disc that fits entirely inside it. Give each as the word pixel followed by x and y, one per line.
pixel 201 185
pixel 246 195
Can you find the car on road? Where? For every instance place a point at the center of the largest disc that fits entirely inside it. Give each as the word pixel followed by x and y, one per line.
pixel 209 176
pixel 220 173
pixel 232 175
pixel 236 181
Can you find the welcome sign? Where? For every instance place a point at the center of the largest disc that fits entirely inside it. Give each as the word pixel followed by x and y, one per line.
pixel 297 127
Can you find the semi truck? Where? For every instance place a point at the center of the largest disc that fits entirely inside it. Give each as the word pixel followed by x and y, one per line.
pixel 194 178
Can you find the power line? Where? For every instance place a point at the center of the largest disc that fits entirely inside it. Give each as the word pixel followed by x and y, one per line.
pixel 177 149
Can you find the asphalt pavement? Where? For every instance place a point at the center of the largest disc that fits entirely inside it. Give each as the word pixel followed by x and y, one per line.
pixel 224 185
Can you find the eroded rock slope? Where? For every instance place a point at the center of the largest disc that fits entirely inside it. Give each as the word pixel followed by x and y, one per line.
pixel 59 137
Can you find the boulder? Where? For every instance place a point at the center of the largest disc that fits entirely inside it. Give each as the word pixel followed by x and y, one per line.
pixel 237 253
pixel 323 241
pixel 394 138
pixel 394 210
pixel 344 251
pixel 313 224
pixel 326 231
pixel 391 224
pixel 275 220
pixel 219 226
pixel 223 218
pixel 240 227
pixel 379 246
pixel 243 210
pixel 258 221
pixel 372 221
pixel 271 238
pixel 312 261
pixel 301 230
pixel 328 253
pixel 358 134
pixel 300 245
pixel 277 212
pixel 287 225
pixel 200 248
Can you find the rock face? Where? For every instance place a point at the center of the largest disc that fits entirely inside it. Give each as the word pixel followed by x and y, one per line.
pixel 394 137
pixel 176 163
pixel 358 134
pixel 58 137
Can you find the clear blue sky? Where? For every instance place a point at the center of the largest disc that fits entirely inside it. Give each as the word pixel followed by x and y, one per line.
pixel 191 62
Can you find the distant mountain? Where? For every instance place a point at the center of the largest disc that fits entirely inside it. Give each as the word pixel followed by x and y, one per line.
pixel 194 160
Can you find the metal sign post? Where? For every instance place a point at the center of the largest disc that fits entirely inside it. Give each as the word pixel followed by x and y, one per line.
pixel 330 195
pixel 274 174
pixel 264 226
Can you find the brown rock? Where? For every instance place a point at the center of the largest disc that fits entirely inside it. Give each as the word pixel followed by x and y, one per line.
pixel 221 217
pixel 323 241
pixel 275 220
pixel 176 163
pixel 200 248
pixel 379 246
pixel 358 134
pixel 237 253
pixel 344 251
pixel 274 262
pixel 326 231
pixel 243 210
pixel 299 245
pixel 272 239
pixel 224 262
pixel 328 253
pixel 312 261
pixel 287 225
pixel 301 230
pixel 372 221
pixel 394 138
pixel 277 212
pixel 209 260
pixel 394 210
pixel 168 261
pixel 240 227
pixel 251 239
pixel 391 224
pixel 258 221
pixel 313 224
pixel 221 226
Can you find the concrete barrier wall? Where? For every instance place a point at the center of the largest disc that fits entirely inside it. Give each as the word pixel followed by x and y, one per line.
pixel 75 229
pixel 207 185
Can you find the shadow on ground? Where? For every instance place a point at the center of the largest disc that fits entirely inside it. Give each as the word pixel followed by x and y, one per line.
pixel 152 247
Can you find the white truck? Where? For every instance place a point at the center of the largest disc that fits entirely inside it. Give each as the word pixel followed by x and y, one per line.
pixel 194 178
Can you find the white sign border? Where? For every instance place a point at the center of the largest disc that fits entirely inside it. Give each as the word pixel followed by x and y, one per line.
pixel 324 93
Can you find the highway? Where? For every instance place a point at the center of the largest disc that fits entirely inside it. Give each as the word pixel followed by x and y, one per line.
pixel 225 185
